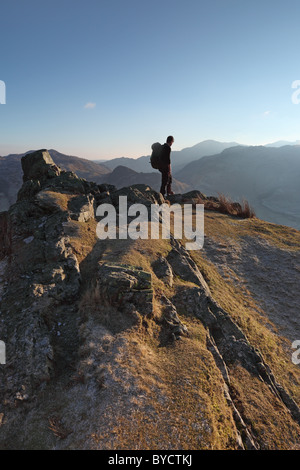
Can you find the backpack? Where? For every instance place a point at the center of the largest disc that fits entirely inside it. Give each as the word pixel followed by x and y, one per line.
pixel 155 156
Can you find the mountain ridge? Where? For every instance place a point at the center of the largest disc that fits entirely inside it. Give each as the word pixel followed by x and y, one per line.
pixel 278 205
pixel 179 157
pixel 265 176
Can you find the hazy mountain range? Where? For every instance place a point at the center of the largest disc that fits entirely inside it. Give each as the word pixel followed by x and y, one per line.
pixel 180 158
pixel 267 176
pixel 281 143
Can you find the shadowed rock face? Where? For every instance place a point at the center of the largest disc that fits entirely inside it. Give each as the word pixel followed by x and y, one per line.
pixel 39 166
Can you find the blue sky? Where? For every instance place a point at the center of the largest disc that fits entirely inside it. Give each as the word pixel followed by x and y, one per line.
pixel 107 78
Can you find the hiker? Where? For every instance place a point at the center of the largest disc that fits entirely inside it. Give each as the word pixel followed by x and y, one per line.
pixel 166 175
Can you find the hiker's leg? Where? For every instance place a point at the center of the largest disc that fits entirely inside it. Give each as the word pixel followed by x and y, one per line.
pixel 164 181
pixel 169 182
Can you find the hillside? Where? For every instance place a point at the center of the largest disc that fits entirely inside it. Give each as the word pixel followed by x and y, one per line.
pixel 141 344
pixel 83 167
pixel 180 158
pixel 267 177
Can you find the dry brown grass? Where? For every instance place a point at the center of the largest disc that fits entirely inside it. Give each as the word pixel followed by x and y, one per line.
pixel 263 412
pixel 56 199
pixel 225 205
pixel 247 212
pixel 94 302
pixel 254 322
pixel 180 401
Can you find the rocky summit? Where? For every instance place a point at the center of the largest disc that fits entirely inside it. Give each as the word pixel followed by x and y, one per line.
pixel 141 344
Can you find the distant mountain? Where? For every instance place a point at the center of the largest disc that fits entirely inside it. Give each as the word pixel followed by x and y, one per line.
pixel 268 177
pixel 122 176
pixel 282 143
pixel 203 149
pixel 83 167
pixel 10 180
pixel 141 164
pixel 179 157
pixel 11 173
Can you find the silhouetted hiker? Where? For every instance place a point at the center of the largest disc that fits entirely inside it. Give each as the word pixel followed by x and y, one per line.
pixel 165 169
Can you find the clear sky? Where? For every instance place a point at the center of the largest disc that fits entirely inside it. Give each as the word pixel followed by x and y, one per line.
pixel 107 78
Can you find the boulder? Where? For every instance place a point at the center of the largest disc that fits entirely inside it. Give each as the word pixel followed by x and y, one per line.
pixel 163 270
pixel 39 166
pixel 170 317
pixel 194 197
pixel 138 194
pixel 82 208
pixel 126 287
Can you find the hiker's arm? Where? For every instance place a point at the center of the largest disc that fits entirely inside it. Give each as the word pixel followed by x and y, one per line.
pixel 168 156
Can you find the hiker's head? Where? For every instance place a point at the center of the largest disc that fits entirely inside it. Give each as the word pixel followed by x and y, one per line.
pixel 170 140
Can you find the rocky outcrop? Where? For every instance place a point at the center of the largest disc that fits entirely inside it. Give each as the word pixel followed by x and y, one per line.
pixel 43 270
pixel 39 166
pixel 11 174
